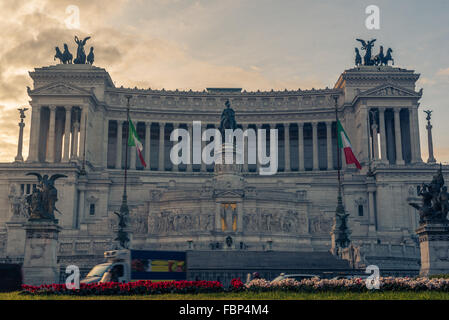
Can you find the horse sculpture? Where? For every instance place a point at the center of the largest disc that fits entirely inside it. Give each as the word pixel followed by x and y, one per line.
pixel 388 57
pixel 358 57
pixel 59 55
pixel 64 57
pixel 379 57
pixel 227 120
pixel 90 56
pixel 67 55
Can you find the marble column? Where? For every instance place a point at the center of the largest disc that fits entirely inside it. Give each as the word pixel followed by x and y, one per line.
pixel 190 164
pixel 161 164
pixel 132 152
pixel 105 142
pixel 383 136
pixel 412 135
pixel 330 160
pixel 315 145
pixel 429 127
pixel 371 206
pixel 203 144
pixel 51 135
pixel 301 146
pixel 147 144
pixel 83 127
pixel 417 137
pixel 175 166
pixel 245 148
pixel 258 126
pixel 19 156
pixel 397 135
pixel 287 146
pixel 33 149
pixel 67 130
pixel 119 141
pixel 375 141
pixel 75 131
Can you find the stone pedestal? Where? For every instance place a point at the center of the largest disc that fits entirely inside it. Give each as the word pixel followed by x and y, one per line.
pixel 434 245
pixel 40 260
pixel 15 244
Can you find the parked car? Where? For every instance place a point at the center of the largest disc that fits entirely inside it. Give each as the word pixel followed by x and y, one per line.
pixel 10 277
pixel 296 276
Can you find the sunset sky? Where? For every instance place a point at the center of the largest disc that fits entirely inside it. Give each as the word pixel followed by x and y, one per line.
pixel 253 44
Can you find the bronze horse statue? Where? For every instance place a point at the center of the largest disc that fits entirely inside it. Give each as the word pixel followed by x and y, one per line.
pixel 64 57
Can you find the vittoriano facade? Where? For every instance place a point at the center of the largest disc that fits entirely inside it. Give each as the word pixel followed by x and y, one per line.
pixel 78 120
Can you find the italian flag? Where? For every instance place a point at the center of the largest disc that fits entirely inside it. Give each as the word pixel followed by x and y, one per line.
pixel 133 141
pixel 345 144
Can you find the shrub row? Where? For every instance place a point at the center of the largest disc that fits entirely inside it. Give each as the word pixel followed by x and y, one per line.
pixel 257 285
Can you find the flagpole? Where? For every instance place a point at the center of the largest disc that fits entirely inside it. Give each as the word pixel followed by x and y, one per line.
pixel 341 231
pixel 338 149
pixel 126 147
pixel 122 232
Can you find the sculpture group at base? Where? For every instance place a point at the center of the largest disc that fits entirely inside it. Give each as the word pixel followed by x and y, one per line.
pixel 66 57
pixel 41 202
pixel 435 200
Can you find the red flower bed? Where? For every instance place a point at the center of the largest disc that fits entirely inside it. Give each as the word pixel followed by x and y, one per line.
pixel 237 285
pixel 130 288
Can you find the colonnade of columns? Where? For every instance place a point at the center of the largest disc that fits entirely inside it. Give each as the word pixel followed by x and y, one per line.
pixel 387 132
pixel 116 153
pixel 57 133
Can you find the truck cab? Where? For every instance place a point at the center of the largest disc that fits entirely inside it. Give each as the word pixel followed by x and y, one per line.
pixel 115 269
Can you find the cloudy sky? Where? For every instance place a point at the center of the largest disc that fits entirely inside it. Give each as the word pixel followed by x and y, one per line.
pixel 253 44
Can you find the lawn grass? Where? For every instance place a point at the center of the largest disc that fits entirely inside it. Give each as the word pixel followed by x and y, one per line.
pixel 427 295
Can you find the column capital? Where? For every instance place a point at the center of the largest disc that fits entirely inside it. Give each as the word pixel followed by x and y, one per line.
pixel 300 124
pixel 161 124
pixel 147 124
pixel 52 107
pixel 382 109
pixel 287 124
pixel 314 124
pixel 67 108
pixel 397 110
pixel 329 123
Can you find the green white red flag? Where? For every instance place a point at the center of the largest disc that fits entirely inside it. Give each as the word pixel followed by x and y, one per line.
pixel 345 144
pixel 134 141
